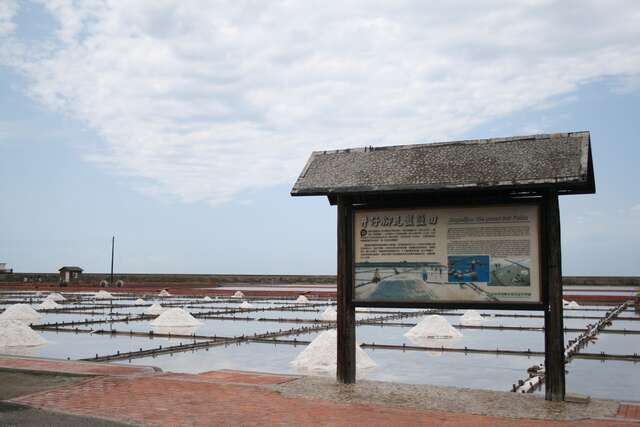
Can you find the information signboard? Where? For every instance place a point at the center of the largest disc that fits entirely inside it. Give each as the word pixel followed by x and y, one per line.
pixel 482 254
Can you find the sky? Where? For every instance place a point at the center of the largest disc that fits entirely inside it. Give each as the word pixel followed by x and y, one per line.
pixel 181 126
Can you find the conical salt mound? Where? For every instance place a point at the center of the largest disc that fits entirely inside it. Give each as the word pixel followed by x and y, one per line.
pixel 54 296
pixel 175 317
pixel 434 326
pixel 302 300
pixel 330 314
pixel 21 312
pixel 572 305
pixel 238 294
pixel 14 333
pixel 48 305
pixel 139 301
pixel 320 356
pixel 154 309
pixel 471 318
pixel 103 295
pixel 207 298
pixel 246 305
pixel 164 293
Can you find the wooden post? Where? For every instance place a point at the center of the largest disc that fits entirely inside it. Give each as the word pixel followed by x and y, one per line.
pixel 553 320
pixel 113 242
pixel 346 372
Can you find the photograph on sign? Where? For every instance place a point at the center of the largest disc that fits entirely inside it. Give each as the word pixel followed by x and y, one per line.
pixel 473 255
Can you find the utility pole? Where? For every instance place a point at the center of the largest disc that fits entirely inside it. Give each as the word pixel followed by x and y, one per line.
pixel 113 241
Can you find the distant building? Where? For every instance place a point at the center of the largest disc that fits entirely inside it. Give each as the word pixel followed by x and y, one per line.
pixel 70 274
pixel 4 268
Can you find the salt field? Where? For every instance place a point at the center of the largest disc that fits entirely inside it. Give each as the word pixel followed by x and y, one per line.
pixel 485 349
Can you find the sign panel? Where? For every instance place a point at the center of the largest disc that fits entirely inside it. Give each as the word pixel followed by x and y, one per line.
pixel 459 254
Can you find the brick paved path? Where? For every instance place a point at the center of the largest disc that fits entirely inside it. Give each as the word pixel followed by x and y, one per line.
pixel 239 399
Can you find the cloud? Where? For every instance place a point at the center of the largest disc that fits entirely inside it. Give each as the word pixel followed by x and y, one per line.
pixel 207 100
pixel 8 10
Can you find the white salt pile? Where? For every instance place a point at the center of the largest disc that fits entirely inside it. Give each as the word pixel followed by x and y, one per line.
pixel 154 309
pixel 572 305
pixel 246 305
pixel 302 300
pixel 164 293
pixel 38 293
pixel 48 305
pixel 21 312
pixel 14 333
pixel 175 317
pixel 206 298
pixel 471 318
pixel 54 296
pixel 139 301
pixel 320 355
pixel 238 294
pixel 103 295
pixel 434 326
pixel 330 314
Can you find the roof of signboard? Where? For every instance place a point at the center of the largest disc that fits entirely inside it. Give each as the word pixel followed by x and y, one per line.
pixel 561 161
pixel 70 268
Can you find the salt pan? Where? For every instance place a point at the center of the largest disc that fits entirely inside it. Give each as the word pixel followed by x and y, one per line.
pixel 14 333
pixel 103 295
pixel 246 305
pixel 434 326
pixel 21 312
pixel 471 318
pixel 320 356
pixel 175 317
pixel 154 309
pixel 330 314
pixel 54 296
pixel 48 305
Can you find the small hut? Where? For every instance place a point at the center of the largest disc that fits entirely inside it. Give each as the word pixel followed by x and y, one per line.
pixel 70 274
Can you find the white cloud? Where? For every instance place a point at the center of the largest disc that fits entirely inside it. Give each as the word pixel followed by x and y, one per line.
pixel 205 100
pixel 8 9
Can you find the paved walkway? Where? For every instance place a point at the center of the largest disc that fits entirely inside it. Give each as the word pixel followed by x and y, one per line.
pixel 140 395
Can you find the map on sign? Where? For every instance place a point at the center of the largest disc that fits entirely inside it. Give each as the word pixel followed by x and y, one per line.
pixel 477 254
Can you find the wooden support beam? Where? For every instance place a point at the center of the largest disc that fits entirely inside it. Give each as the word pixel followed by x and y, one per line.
pixel 346 372
pixel 552 280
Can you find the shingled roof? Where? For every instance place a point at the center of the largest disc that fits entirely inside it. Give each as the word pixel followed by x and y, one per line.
pixel 561 161
pixel 71 268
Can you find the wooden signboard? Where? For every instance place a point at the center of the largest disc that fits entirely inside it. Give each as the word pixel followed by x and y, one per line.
pixel 469 224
